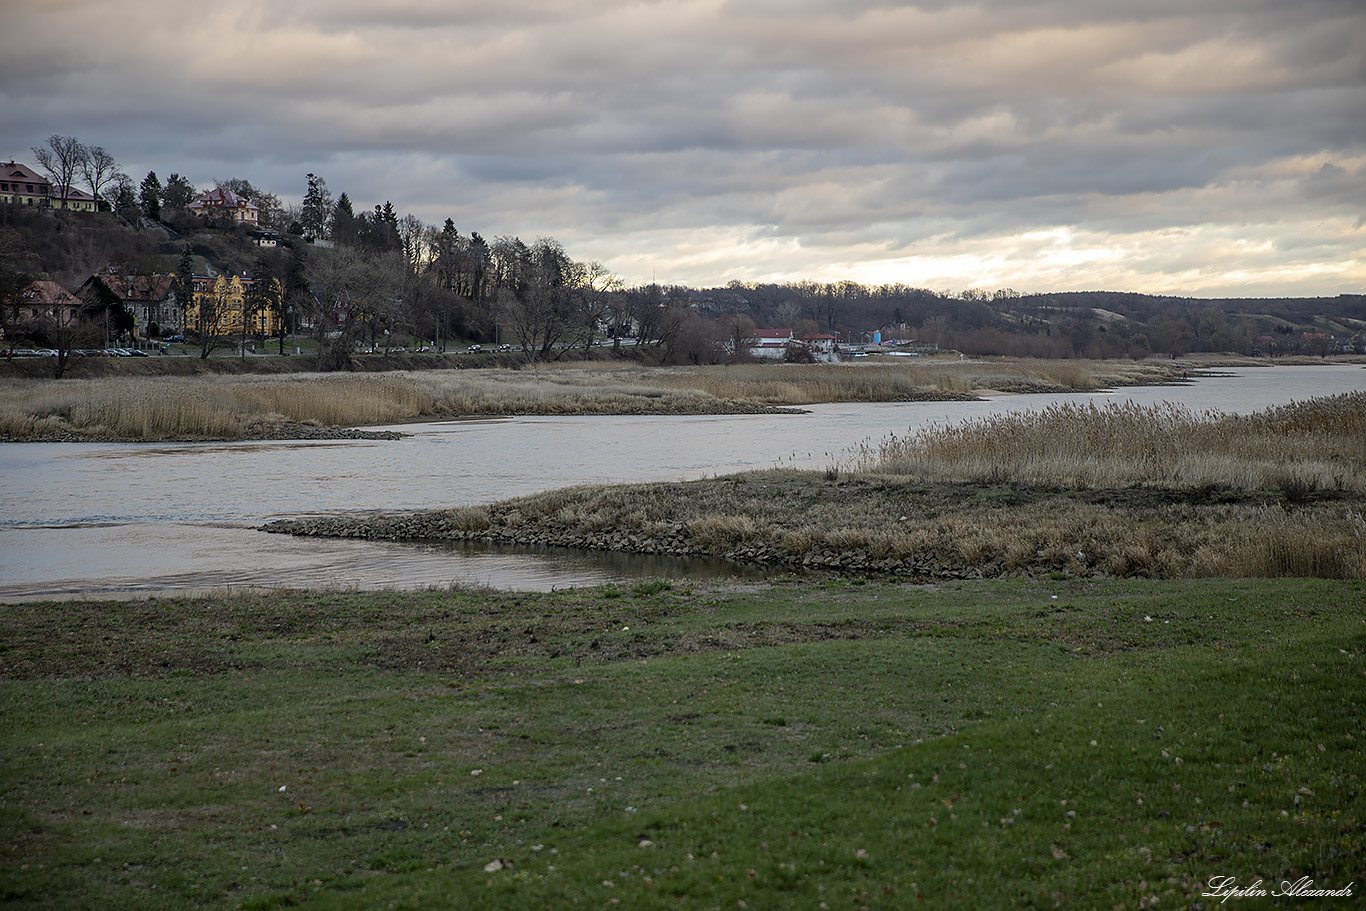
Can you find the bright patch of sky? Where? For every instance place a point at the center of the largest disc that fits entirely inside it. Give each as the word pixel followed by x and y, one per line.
pixel 1199 147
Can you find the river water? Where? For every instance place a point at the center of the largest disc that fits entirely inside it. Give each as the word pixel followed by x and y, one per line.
pixel 100 519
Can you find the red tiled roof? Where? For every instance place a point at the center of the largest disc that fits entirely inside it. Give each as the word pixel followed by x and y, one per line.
pixel 15 171
pixel 221 197
pixel 45 292
pixel 140 287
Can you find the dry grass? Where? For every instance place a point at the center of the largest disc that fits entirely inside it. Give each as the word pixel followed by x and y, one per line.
pixel 1314 445
pixel 221 406
pixel 1078 490
pixel 953 530
pixel 202 407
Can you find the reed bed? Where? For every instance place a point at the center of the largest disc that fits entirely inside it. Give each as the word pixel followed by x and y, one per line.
pixel 1123 490
pixel 205 407
pixel 1315 445
pixel 955 530
pixel 220 406
pixel 810 384
pixel 555 391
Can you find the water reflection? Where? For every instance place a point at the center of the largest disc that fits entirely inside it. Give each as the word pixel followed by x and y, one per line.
pixel 227 558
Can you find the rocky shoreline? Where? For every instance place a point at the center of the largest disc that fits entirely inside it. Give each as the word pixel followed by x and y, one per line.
pixel 674 540
pixel 870 526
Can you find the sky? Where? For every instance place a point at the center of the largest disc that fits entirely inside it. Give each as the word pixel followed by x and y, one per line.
pixel 1196 147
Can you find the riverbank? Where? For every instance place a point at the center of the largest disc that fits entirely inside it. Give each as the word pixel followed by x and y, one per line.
pixel 295 406
pixel 925 532
pixel 1074 491
pixel 786 744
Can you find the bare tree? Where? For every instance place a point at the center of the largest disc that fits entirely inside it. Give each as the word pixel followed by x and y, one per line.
pixel 537 294
pixel 60 158
pixel 212 309
pixel 741 334
pixel 353 294
pixel 64 329
pixel 416 248
pixel 593 287
pixel 98 168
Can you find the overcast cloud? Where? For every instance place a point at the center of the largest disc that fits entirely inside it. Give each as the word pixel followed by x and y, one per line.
pixel 1199 147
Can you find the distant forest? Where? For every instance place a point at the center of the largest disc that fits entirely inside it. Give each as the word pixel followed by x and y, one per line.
pixel 372 277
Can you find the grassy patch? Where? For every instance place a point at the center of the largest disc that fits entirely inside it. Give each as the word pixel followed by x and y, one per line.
pixel 781 745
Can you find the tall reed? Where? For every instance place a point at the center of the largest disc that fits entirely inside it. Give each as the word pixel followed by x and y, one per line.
pixel 168 407
pixel 1319 444
pixel 203 407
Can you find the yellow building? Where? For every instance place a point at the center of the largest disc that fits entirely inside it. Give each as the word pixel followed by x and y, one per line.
pixel 21 185
pixel 223 304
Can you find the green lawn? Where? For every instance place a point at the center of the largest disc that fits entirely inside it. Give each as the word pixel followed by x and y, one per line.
pixel 1029 744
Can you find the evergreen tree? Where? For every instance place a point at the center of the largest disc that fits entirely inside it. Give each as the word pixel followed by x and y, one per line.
pixel 178 192
pixel 150 195
pixel 184 283
pixel 344 227
pixel 317 208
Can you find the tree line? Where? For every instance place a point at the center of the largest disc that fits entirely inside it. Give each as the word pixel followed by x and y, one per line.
pixel 370 278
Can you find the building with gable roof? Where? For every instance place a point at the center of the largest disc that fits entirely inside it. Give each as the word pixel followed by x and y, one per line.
pixel 43 305
pixel 21 185
pixel 222 308
pixel 222 201
pixel 149 299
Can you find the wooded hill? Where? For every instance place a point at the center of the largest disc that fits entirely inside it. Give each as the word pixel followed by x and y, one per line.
pixel 439 283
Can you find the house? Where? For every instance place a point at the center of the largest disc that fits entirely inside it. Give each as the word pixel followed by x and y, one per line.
pixel 770 343
pixel 76 201
pixel 150 299
pixel 46 303
pixel 220 308
pixel 825 344
pixel 224 202
pixel 21 185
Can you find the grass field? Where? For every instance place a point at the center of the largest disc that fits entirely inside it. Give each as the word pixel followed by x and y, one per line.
pixel 1089 744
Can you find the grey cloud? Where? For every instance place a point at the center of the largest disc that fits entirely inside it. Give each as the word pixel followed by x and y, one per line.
pixel 853 127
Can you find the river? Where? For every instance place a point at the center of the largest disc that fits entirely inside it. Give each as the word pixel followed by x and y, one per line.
pixel 105 519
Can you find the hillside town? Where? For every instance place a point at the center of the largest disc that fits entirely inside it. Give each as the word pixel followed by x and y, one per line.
pixel 118 269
